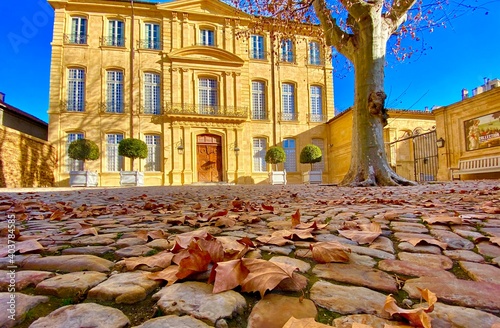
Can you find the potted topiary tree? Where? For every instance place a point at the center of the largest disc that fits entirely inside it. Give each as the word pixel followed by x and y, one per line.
pixel 132 148
pixel 311 154
pixel 83 150
pixel 276 155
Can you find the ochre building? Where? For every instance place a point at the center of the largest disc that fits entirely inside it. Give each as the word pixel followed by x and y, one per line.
pixel 190 78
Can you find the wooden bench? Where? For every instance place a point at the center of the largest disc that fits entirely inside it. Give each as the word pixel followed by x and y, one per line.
pixel 476 165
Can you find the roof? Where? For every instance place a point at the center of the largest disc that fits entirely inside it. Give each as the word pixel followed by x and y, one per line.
pixel 19 112
pixel 390 111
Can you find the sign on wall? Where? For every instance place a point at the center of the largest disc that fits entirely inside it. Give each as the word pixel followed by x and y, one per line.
pixel 482 132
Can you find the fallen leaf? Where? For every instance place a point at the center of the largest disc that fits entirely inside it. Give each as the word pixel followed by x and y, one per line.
pixel 214 248
pixel 304 323
pixel 417 316
pixel 442 219
pixel 229 275
pixel 296 219
pixel 265 275
pixel 225 221
pixel 246 241
pixel 331 251
pixel 197 261
pixel 184 239
pixel 28 246
pixel 360 325
pixel 366 234
pixel 160 260
pixel 294 234
pixel 495 240
pixel 312 225
pixel 268 207
pixel 430 241
pixel 169 274
pixel 88 231
pixel 274 240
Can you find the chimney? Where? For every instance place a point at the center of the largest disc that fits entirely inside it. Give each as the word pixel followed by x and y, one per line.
pixel 426 109
pixel 465 94
pixel 2 97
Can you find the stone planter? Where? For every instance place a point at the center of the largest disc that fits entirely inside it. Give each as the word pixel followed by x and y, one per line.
pixel 312 177
pixel 83 179
pixel 131 178
pixel 277 177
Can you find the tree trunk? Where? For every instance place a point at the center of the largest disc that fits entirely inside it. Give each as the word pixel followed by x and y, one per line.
pixel 369 166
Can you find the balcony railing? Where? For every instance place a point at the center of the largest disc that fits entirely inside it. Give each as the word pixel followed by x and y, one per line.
pixel 316 118
pixel 113 107
pixel 288 116
pixel 259 116
pixel 197 109
pixel 75 39
pixel 151 110
pixel 73 106
pixel 149 44
pixel 205 44
pixel 113 41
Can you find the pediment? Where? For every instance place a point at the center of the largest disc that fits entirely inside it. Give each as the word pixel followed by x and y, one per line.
pixel 204 54
pixel 209 7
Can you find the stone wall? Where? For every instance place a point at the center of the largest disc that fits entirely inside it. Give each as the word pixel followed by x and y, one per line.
pixel 25 161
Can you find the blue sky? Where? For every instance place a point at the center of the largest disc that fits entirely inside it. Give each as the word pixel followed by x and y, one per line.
pixel 457 57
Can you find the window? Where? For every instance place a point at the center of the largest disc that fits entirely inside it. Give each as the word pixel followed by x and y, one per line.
pixel 151 36
pixel 258 101
pixel 151 93
pixel 73 164
pixel 78 30
pixel 320 166
pixel 115 92
pixel 154 155
pixel 288 99
pixel 259 155
pixel 316 104
pixel 116 34
pixel 115 162
pixel 314 53
pixel 290 162
pixel 207 37
pixel 208 96
pixel 76 90
pixel 287 51
pixel 257 51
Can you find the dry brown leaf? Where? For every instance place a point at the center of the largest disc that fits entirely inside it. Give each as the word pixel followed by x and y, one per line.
pixel 430 241
pixel 169 275
pixel 418 316
pixel 197 261
pixel 366 234
pixel 160 260
pixel 495 240
pixel 296 219
pixel 28 246
pixel 157 234
pixel 142 234
pixel 265 275
pixel 442 219
pixel 268 207
pixel 214 248
pixel 331 251
pixel 229 275
pixel 312 225
pixel 294 234
pixel 496 325
pixel 184 239
pixel 225 221
pixel 360 325
pixel 304 323
pixel 87 231
pixel 274 240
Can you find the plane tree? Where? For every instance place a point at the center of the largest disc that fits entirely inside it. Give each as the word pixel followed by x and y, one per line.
pixel 360 30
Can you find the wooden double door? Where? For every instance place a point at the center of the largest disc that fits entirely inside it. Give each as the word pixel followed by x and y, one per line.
pixel 209 158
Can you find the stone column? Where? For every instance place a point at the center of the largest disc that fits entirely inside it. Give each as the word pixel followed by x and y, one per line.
pixel 185 85
pixel 175 31
pixel 186 36
pixel 175 86
pixel 177 159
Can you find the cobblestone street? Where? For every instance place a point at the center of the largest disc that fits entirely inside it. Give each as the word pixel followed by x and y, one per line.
pixel 142 257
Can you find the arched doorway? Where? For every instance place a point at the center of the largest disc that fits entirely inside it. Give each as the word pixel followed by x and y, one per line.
pixel 209 158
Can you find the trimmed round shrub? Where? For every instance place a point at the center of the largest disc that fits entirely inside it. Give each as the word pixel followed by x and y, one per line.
pixel 83 150
pixel 310 154
pixel 275 155
pixel 132 148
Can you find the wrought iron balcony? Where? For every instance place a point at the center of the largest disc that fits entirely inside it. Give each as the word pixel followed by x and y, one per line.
pixel 288 116
pixel 113 107
pixel 149 44
pixel 73 106
pixel 75 39
pixel 259 116
pixel 316 118
pixel 151 110
pixel 205 110
pixel 113 41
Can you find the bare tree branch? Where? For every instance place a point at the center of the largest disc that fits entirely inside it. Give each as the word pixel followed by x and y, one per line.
pixel 356 8
pixel 398 13
pixel 334 35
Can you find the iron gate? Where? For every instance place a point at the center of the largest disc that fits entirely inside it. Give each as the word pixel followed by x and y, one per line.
pixel 422 149
pixel 425 156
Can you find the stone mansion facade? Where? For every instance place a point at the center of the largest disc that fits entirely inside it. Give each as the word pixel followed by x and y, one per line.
pixel 207 98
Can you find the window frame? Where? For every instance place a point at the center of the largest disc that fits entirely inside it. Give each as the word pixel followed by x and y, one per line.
pixel 78 35
pixel 257 47
pixel 116 33
pixel 316 103
pixel 288 102
pixel 210 92
pixel 259 163
pixel 75 92
pixel 314 53
pixel 207 36
pixel 150 40
pixel 73 164
pixel 152 93
pixel 115 92
pixel 114 162
pixel 154 153
pixel 259 108
pixel 290 164
pixel 287 51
